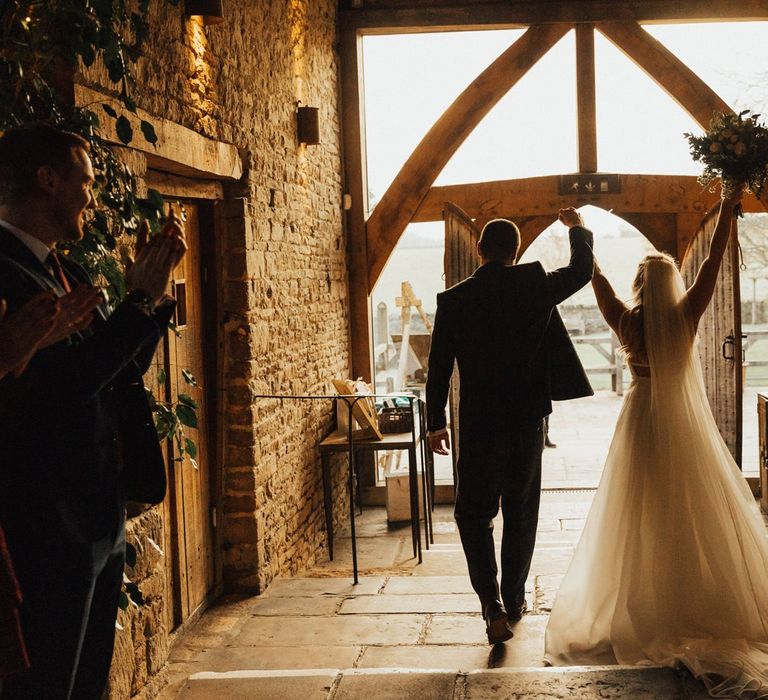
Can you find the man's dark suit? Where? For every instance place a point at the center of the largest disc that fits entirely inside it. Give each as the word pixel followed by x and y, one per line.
pixel 76 440
pixel 514 357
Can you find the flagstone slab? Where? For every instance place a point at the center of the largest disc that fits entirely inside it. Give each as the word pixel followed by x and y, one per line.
pixel 546 590
pixel 457 602
pixel 404 585
pixel 261 658
pixel 248 685
pixel 339 630
pixel 526 648
pixel 317 605
pixel 299 587
pixel 427 656
pixel 581 684
pixel 396 685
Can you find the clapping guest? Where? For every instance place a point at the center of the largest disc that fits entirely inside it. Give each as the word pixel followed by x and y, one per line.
pixel 76 432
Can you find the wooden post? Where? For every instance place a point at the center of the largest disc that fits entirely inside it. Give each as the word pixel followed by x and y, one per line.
pixel 355 184
pixel 585 97
pixel 404 302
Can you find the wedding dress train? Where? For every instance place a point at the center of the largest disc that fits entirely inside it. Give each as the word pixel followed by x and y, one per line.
pixel 672 566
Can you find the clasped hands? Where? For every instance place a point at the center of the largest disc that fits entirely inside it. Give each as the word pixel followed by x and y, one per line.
pixel 155 258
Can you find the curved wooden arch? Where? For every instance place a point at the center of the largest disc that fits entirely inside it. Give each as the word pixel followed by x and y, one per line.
pixel 665 69
pixel 403 197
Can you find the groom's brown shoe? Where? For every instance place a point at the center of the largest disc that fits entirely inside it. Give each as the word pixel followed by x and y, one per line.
pixel 496 624
pixel 516 613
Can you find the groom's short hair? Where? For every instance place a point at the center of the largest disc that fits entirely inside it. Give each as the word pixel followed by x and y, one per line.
pixel 499 240
pixel 24 149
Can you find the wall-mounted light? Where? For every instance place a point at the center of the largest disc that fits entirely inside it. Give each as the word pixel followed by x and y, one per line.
pixel 210 11
pixel 307 124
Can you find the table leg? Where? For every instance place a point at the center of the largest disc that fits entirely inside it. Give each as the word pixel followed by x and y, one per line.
pixel 325 459
pixel 413 485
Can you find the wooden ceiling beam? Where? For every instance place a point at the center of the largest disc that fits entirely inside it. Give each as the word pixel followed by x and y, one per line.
pixel 403 197
pixel 586 105
pixel 394 17
pixel 537 196
pixel 666 69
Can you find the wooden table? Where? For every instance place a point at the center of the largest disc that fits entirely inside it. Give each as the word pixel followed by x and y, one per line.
pixel 411 441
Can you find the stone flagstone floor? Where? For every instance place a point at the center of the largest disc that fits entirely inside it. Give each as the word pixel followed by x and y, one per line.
pixel 415 631
pixel 405 631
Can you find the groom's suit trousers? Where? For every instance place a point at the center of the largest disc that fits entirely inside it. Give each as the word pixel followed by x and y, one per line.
pixel 502 465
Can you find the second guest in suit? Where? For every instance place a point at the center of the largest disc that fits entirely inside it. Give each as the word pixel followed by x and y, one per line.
pixel 514 357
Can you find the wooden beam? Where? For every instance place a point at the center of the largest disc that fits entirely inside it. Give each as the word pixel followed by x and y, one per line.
pixel 396 208
pixel 178 149
pixel 679 81
pixel 530 228
pixel 355 184
pixel 659 229
pixel 394 17
pixel 585 97
pixel 540 195
pixel 183 187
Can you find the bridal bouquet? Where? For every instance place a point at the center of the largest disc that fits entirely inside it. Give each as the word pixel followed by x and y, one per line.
pixel 735 150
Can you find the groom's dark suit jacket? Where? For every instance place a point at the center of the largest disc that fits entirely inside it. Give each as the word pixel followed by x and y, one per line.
pixel 76 432
pixel 511 346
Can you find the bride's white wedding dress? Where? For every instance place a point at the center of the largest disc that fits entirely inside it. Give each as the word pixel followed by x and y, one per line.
pixel 672 566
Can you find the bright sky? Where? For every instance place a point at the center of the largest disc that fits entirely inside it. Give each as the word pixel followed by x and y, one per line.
pixel 411 79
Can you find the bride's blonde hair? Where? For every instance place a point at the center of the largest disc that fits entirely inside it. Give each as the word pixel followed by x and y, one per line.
pixel 632 335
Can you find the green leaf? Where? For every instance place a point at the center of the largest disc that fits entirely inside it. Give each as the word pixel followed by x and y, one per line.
pixel 187 400
pixel 191 448
pixel 189 378
pixel 186 415
pixel 129 103
pixel 124 129
pixel 161 376
pixel 149 132
pixel 109 110
pixel 123 602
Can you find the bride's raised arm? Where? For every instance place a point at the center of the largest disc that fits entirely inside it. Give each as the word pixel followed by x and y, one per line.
pixel 700 292
pixel 609 304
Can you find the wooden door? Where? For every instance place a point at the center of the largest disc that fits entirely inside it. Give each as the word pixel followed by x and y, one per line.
pixel 459 262
pixel 720 334
pixel 189 527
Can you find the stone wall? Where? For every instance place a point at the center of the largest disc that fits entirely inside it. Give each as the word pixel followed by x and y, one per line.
pixel 284 286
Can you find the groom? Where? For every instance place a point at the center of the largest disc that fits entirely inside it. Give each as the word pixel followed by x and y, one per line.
pixel 514 356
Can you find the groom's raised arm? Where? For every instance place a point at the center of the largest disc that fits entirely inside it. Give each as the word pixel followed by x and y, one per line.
pixel 567 280
pixel 441 357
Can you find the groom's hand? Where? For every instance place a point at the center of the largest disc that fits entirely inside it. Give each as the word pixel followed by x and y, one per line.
pixel 570 217
pixel 439 441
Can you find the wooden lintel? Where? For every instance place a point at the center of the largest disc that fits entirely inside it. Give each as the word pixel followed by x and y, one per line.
pixel 586 112
pixel 403 197
pixel 184 187
pixel 178 149
pixel 536 196
pixel 394 16
pixel 669 72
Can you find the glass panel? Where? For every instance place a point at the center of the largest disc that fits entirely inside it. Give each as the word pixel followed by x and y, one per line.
pixel 732 58
pixel 532 129
pixel 639 127
pixel 411 79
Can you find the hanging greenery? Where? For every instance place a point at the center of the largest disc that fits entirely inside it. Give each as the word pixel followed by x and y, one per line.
pixel 42 44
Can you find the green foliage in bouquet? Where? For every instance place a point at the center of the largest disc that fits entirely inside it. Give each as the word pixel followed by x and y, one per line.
pixel 734 149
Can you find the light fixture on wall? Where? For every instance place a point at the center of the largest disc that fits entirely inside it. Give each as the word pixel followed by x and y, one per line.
pixel 307 124
pixel 210 11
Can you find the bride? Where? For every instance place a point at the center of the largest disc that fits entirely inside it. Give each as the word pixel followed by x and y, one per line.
pixel 671 566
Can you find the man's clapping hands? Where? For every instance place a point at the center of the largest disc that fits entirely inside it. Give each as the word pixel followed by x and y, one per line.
pixel 155 258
